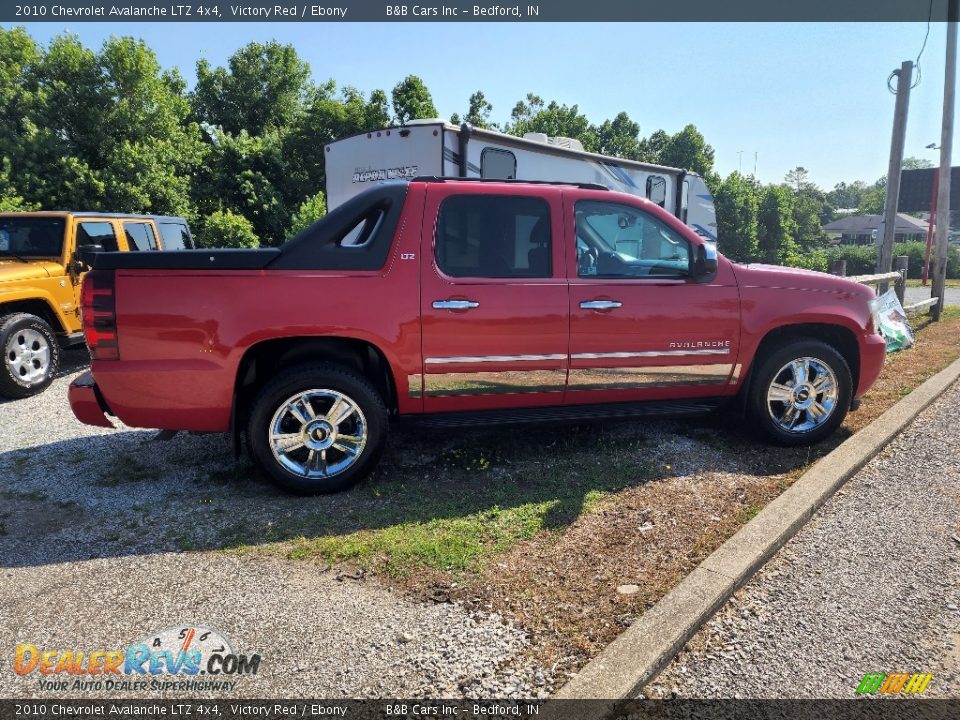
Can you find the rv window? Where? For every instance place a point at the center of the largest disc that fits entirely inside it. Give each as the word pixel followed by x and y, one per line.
pixel 491 236
pixel 619 241
pixel 657 190
pixel 684 200
pixel 497 164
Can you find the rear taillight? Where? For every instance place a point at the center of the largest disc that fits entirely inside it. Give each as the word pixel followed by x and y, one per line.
pixel 99 314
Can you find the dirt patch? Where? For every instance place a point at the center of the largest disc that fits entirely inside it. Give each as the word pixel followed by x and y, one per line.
pixel 562 586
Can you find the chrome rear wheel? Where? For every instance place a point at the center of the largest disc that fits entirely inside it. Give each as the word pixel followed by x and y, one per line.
pixel 318 433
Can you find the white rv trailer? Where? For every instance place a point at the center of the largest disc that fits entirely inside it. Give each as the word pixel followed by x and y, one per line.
pixel 438 148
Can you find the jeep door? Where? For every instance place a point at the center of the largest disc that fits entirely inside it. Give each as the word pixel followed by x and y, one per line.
pixel 494 303
pixel 641 328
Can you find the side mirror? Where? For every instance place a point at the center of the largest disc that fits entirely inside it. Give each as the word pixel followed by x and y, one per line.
pixel 705 263
pixel 83 257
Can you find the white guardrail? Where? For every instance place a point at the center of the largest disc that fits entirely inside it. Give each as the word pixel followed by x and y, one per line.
pixel 893 276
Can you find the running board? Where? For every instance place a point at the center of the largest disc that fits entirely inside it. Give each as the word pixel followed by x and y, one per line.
pixel 567 413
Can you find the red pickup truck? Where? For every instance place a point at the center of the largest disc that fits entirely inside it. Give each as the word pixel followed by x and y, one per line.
pixel 465 302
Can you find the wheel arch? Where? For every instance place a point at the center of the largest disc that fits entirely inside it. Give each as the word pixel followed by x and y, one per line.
pixel 262 360
pixel 840 337
pixel 33 306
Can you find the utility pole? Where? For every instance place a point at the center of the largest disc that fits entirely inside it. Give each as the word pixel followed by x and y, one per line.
pixel 946 142
pixel 889 223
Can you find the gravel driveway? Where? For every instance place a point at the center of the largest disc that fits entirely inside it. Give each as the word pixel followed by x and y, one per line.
pixel 107 536
pixel 871 584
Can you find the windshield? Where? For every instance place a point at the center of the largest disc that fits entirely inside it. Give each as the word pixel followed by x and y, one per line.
pixel 31 236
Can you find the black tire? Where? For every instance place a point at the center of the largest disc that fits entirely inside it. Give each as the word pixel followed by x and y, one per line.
pixel 320 435
pixel 771 417
pixel 31 355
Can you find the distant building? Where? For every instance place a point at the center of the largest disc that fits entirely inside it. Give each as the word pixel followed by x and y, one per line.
pixel 865 229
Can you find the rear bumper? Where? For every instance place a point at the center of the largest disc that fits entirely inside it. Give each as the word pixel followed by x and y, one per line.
pixel 87 404
pixel 873 352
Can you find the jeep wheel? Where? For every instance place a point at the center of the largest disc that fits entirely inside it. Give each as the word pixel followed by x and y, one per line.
pixel 31 355
pixel 317 428
pixel 801 393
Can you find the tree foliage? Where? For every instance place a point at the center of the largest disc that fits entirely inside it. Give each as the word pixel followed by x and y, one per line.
pixel 225 229
pixel 737 205
pixel 264 86
pixel 412 101
pixel 310 210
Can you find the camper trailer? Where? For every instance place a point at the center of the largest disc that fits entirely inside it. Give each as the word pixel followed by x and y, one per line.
pixel 437 148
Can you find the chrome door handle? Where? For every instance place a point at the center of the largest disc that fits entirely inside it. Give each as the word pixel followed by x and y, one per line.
pixel 455 304
pixel 600 304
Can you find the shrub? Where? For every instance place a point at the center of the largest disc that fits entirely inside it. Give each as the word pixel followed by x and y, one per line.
pixel 862 259
pixel 224 229
pixel 310 210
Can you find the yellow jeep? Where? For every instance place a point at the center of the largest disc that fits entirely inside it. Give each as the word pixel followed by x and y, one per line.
pixel 40 274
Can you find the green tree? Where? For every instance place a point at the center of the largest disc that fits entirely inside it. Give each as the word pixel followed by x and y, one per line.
pixel 331 115
pixel 264 86
pixel 651 149
pixel 798 178
pixel 555 120
pixel 776 227
pixel 619 137
pixel 737 206
pixel 412 101
pixel 478 113
pixel 248 176
pixel 847 195
pixel 310 210
pixel 688 149
pixel 96 130
pixel 224 229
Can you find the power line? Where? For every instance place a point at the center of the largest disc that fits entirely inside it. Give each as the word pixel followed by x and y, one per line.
pixel 924 46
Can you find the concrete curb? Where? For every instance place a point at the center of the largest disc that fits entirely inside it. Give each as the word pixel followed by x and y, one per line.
pixel 632 660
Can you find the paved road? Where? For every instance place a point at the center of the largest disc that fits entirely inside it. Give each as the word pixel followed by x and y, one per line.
pixel 916 294
pixel 871 584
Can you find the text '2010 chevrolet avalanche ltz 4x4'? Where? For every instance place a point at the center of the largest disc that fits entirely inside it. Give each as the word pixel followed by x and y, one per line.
pixel 465 302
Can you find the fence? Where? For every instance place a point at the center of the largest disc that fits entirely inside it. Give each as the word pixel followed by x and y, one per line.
pixel 881 280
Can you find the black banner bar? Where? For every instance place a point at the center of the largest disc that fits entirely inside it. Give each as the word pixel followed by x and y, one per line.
pixel 74 11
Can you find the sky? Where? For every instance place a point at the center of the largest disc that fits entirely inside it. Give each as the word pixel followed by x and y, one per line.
pixel 778 95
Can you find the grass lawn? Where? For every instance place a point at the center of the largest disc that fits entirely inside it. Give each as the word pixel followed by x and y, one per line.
pixel 950 283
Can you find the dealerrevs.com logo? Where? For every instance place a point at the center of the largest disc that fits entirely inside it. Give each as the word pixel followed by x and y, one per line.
pixel 183 657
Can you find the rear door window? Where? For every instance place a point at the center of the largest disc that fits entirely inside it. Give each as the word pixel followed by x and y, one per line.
pixel 493 236
pixel 140 236
pixel 175 236
pixel 97 233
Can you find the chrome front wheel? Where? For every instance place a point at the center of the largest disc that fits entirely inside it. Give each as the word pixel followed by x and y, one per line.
pixel 802 395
